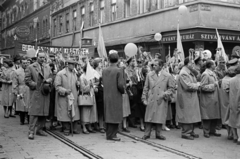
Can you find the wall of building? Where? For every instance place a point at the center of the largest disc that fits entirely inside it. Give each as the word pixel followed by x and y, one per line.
pixel 32 13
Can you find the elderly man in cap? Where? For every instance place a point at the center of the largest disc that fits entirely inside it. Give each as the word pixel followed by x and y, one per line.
pixel 66 83
pixel 39 79
pixel 113 88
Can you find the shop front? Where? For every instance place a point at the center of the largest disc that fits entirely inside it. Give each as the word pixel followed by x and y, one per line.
pixel 204 38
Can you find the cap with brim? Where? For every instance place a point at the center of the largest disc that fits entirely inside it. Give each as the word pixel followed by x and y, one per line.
pixel 232 62
pixel 51 55
pixel 71 61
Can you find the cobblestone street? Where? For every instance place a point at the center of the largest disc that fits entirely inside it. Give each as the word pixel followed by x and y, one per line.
pixel 13 138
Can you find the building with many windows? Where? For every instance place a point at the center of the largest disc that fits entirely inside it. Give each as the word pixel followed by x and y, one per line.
pixel 33 14
pixel 137 21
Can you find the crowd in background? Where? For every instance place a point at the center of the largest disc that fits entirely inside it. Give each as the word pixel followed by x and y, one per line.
pixel 193 93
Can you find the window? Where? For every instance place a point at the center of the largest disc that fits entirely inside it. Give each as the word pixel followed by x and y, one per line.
pixel 146 5
pixel 47 29
pixel 60 24
pixel 114 10
pixel 126 8
pixel 82 13
pixel 140 6
pixel 159 4
pixel 180 1
pixel 102 15
pixel 43 30
pixel 55 27
pixel 67 22
pixel 91 14
pixel 38 29
pixel 26 6
pixel 74 20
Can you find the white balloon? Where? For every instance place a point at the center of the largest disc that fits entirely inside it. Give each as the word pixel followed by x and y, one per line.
pixel 158 36
pixel 182 9
pixel 130 49
pixel 206 54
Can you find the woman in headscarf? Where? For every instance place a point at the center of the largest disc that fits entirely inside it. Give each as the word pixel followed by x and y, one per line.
pixel 88 113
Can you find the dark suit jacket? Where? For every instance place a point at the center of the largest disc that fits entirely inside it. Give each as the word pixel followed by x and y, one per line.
pixel 113 88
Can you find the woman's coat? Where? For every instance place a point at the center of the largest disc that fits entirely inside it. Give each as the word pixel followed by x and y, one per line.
pixel 20 88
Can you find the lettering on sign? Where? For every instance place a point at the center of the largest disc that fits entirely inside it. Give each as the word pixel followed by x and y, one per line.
pixel 202 36
pixel 71 51
pixel 183 37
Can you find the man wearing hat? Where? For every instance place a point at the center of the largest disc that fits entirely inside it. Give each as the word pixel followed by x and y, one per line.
pixel 66 83
pixel 113 88
pixel 38 78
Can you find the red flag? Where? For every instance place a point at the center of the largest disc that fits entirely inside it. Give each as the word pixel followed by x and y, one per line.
pixel 101 46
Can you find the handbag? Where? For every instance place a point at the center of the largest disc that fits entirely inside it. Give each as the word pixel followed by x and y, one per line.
pixel 85 100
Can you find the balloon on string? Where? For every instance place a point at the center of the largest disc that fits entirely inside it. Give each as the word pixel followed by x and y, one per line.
pixel 182 9
pixel 158 37
pixel 130 49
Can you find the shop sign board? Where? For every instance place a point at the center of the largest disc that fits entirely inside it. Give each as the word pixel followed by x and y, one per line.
pixel 202 37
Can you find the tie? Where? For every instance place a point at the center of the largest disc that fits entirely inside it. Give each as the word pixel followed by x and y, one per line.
pixel 42 69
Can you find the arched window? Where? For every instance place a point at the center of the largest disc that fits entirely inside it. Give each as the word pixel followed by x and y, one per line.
pixel 43 28
pixel 38 30
pixel 47 28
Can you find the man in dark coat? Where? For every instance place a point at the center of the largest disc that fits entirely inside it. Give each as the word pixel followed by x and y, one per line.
pixel 113 88
pixel 38 78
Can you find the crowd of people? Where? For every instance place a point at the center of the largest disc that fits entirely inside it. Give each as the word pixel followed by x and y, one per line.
pixel 111 95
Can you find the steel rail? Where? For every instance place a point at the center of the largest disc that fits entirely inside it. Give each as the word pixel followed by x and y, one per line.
pixel 70 143
pixel 159 146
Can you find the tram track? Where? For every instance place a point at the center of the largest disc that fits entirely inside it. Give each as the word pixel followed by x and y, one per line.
pixel 88 154
pixel 159 146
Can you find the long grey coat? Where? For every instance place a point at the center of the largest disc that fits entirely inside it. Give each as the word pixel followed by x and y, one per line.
pixel 38 104
pixel 209 96
pixel 62 83
pixel 153 93
pixel 19 87
pixel 187 105
pixel 224 94
pixel 7 92
pixel 113 88
pixel 234 102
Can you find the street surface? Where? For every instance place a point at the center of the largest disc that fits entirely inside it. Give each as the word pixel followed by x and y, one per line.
pixel 13 138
